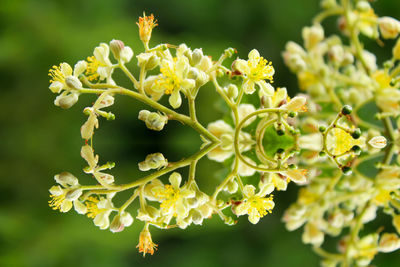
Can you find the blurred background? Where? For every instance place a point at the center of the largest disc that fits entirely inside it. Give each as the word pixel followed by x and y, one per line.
pixel 39 139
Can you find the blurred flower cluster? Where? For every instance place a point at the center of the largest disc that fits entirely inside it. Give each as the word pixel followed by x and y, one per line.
pixel 334 71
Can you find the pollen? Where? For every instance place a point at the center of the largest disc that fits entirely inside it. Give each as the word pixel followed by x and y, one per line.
pixel 56 201
pixel 91 205
pixel 91 70
pixel 56 74
pixel 261 206
pixel 169 81
pixel 261 69
pixel 146 244
pixel 146 24
pixel 170 196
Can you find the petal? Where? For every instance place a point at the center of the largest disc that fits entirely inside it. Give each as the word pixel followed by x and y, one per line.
pixel 126 54
pixel 182 67
pixel 175 99
pixel 66 69
pixel 266 88
pixel 254 55
pixel 56 87
pixel 88 154
pixel 249 190
pixel 88 127
pixel 241 209
pixel 244 110
pixel 248 87
pixel 80 207
pixel 254 217
pixel 66 205
pixel 80 67
pixel 219 155
pixel 245 170
pixel 219 127
pixel 175 179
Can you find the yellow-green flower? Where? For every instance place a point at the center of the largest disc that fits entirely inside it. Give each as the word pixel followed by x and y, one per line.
pixel 255 71
pixel 254 205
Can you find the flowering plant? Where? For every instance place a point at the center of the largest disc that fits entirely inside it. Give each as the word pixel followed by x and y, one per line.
pixel 266 138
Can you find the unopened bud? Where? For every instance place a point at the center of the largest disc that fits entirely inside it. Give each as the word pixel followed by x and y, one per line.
pixel 66 101
pixel 389 242
pixel 232 91
pixel 389 27
pixel 116 47
pixel 378 142
pixel 155 121
pixel 73 82
pixel 197 55
pixel 121 221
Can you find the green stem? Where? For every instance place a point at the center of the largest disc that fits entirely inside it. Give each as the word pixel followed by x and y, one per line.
pixel 172 114
pixel 130 76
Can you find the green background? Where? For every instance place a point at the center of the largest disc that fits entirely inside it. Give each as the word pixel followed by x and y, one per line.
pixel 39 139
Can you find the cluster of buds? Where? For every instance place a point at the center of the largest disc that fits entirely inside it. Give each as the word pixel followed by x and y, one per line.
pixel 335 75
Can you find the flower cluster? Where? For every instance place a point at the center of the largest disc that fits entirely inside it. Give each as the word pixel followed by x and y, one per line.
pixel 258 136
pixel 336 71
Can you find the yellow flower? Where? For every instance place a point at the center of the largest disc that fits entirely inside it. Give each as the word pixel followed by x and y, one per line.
pixel 146 25
pixel 255 70
pixel 146 244
pixel 342 141
pixel 173 79
pixel 173 198
pixel 65 196
pixel 255 205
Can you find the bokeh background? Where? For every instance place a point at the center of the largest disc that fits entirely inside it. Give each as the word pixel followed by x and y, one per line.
pixel 38 139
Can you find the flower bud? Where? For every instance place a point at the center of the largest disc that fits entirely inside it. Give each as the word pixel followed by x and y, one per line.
pixel 378 142
pixel 73 194
pixel 120 221
pixel 73 82
pixel 197 55
pixel 155 121
pixel 148 60
pixel 363 6
pixel 232 91
pixel 389 27
pixel 297 103
pixel 66 179
pixel 143 114
pixel 312 36
pixel 312 235
pixel 116 47
pixel 66 101
pixel 231 187
pixel 389 242
pixel 153 161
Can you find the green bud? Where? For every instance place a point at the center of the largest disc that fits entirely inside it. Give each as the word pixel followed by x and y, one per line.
pixel 322 153
pixel 322 128
pixel 346 170
pixel 292 114
pixel 197 55
pixel 356 149
pixel 280 132
pixel 346 110
pixel 280 151
pixel 356 133
pixel 229 52
pixel 232 91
